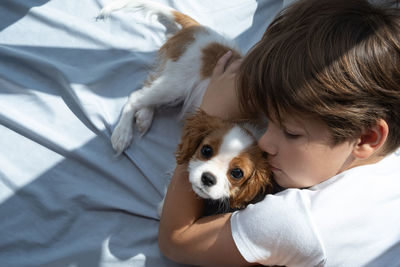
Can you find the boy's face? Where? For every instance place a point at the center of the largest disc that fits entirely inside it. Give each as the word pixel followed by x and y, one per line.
pixel 301 152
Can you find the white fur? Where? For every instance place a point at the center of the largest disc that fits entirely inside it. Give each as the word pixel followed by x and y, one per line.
pixel 151 8
pixel 163 13
pixel 234 142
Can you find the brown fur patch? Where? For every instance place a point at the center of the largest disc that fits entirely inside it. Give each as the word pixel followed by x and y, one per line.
pixel 197 127
pixel 256 177
pixel 211 54
pixel 184 20
pixel 214 140
pixel 177 44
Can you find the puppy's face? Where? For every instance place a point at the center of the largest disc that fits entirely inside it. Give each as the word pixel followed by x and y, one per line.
pixel 224 161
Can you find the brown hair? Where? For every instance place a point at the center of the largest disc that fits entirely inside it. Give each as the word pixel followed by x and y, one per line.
pixel 336 60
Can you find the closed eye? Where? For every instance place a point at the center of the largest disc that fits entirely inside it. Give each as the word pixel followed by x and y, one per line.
pixel 291 135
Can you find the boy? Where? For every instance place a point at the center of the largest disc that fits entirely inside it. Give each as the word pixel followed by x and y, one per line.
pixel 326 74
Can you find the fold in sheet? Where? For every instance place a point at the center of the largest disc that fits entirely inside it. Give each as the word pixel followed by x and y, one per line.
pixel 65 200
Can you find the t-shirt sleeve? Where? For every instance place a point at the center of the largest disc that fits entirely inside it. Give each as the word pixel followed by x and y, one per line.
pixel 278 231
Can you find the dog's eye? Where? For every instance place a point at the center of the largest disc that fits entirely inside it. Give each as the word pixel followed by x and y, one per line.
pixel 236 173
pixel 206 151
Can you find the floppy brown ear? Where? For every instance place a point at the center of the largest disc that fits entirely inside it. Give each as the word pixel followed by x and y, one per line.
pixel 197 126
pixel 257 186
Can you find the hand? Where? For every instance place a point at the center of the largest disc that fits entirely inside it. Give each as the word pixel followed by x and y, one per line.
pixel 220 97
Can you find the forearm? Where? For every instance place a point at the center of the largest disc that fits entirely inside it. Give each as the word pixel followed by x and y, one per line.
pixel 181 206
pixel 186 237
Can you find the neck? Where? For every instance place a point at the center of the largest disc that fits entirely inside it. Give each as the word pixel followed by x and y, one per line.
pixel 370 160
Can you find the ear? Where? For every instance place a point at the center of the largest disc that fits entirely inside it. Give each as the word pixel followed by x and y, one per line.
pixel 254 191
pixel 196 128
pixel 372 140
pixel 258 185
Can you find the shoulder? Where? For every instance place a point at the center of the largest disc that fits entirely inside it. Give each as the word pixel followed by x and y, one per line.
pixel 361 179
pixel 278 226
pixel 365 197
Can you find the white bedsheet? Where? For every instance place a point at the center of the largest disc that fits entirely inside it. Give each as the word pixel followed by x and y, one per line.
pixel 65 200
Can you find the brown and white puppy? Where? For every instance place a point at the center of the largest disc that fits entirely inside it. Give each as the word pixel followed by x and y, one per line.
pixel 224 161
pixel 184 68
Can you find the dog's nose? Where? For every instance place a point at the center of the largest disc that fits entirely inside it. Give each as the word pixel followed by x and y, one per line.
pixel 208 179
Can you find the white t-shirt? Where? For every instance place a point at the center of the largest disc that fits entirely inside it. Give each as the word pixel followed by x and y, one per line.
pixel 352 219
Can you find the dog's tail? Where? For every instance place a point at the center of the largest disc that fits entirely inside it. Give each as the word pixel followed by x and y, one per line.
pixel 172 19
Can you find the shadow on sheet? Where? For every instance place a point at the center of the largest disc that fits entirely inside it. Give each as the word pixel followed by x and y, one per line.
pixel 84 207
pixel 65 200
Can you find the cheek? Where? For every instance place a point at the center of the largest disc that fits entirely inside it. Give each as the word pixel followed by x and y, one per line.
pixel 337 158
pixel 317 163
pixel 301 166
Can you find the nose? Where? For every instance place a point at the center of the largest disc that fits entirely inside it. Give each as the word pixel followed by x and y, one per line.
pixel 268 142
pixel 208 179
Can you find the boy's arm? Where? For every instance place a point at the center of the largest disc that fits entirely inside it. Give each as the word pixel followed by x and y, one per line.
pixel 220 97
pixel 186 237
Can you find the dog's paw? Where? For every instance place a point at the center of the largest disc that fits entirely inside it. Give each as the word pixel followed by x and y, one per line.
pixel 144 118
pixel 121 137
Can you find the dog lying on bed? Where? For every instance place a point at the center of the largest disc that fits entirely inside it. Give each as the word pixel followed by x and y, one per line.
pixel 224 159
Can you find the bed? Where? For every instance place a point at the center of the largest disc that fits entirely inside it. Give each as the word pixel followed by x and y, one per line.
pixel 65 199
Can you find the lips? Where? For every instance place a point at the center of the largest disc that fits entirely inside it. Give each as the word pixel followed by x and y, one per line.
pixel 274 169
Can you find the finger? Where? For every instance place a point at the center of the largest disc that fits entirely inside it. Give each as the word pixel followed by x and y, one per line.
pixel 221 63
pixel 234 66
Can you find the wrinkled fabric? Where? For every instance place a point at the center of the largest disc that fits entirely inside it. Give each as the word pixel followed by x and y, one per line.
pixel 65 199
